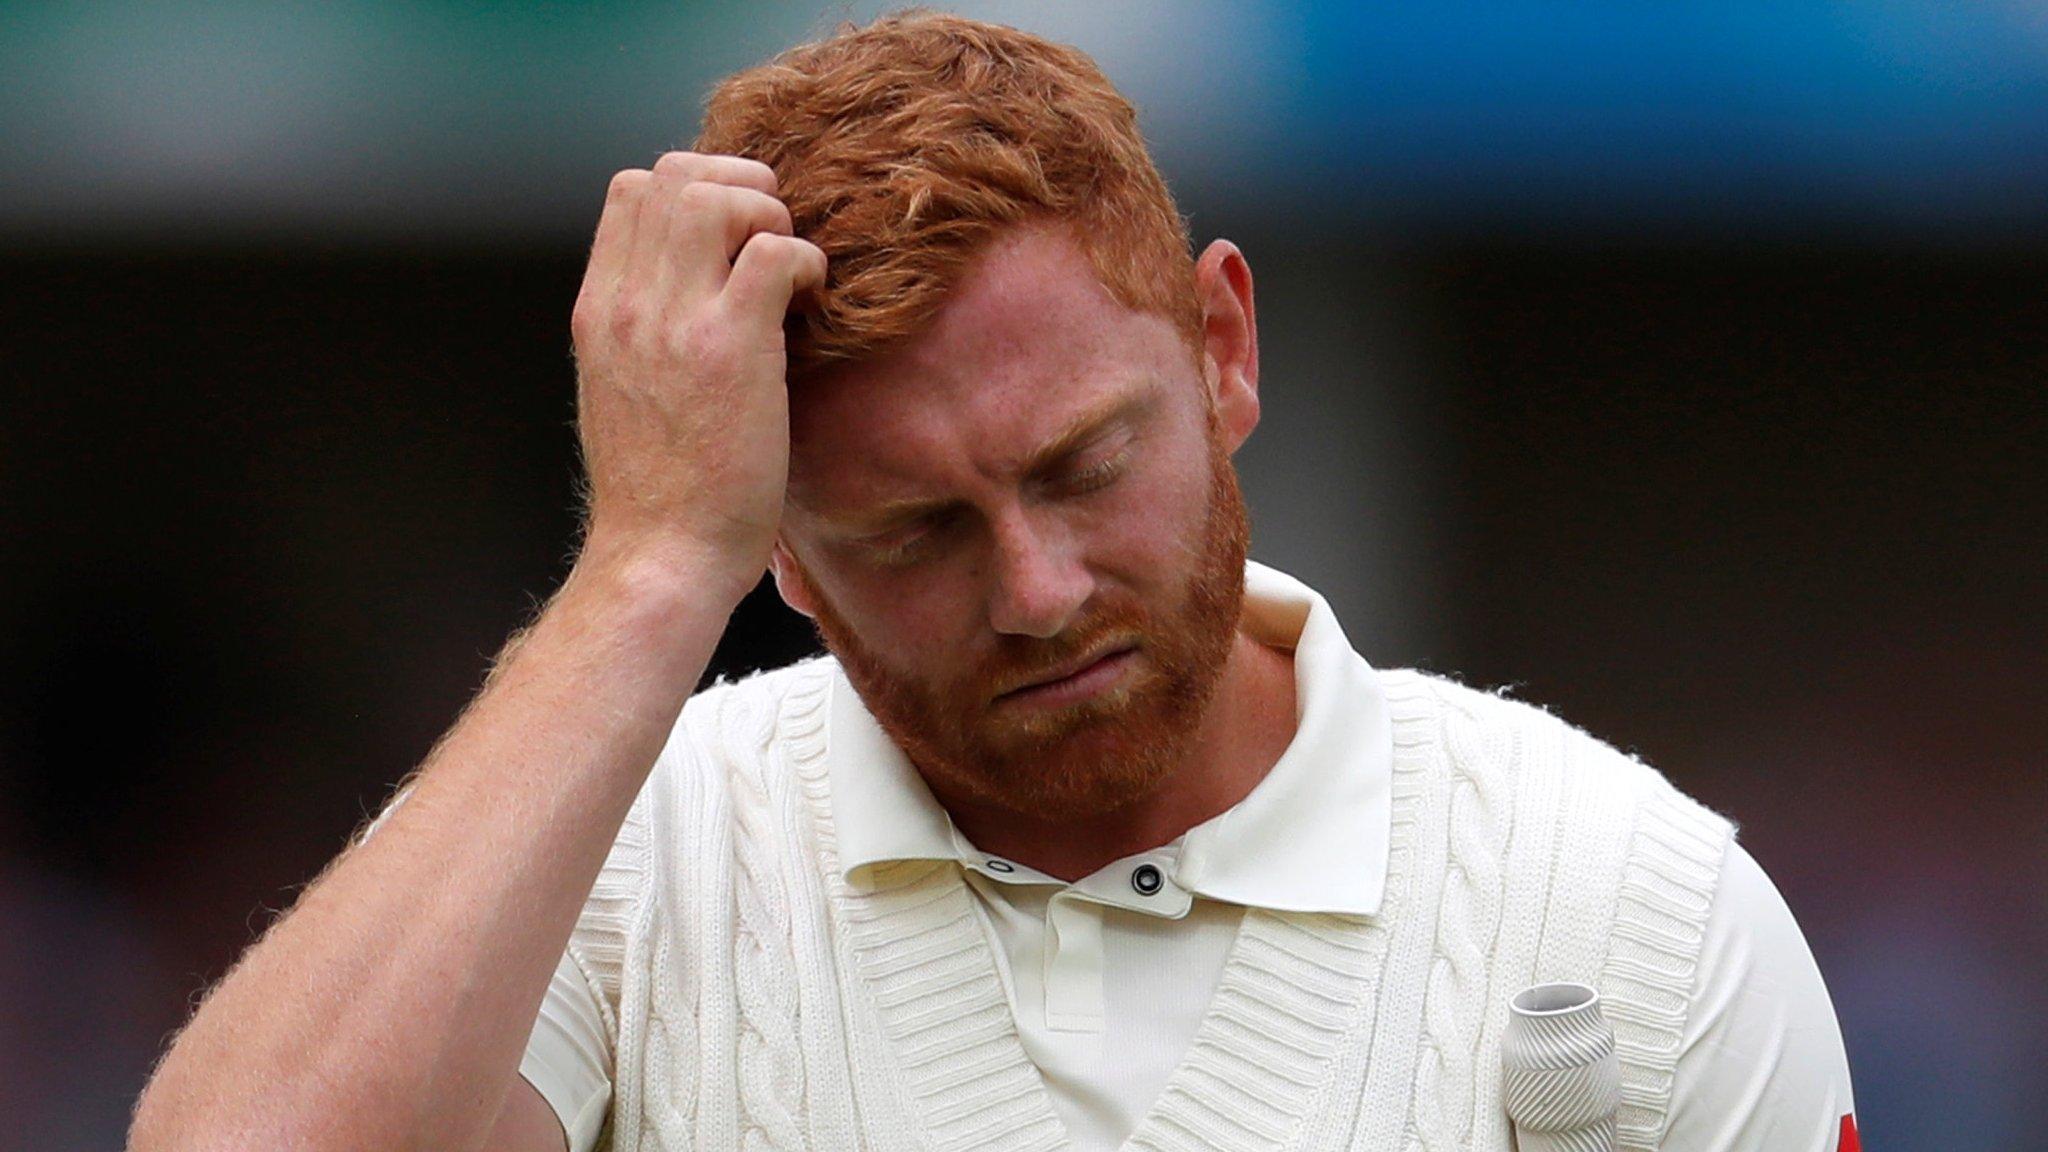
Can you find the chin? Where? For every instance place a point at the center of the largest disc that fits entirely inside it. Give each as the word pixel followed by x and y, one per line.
pixel 1086 777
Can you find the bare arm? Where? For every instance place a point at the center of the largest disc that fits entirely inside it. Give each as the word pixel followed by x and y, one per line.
pixel 390 1008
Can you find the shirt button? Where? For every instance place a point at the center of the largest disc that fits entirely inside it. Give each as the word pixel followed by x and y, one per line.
pixel 1147 880
pixel 1000 866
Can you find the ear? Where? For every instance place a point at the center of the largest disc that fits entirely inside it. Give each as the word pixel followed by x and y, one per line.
pixel 1230 340
pixel 789 580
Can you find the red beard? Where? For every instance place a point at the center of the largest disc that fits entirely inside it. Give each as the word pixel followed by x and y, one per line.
pixel 1089 758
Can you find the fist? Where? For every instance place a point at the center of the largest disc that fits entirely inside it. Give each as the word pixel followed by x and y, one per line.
pixel 682 402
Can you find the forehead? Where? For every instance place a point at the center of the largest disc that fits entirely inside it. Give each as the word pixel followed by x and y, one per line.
pixel 1029 342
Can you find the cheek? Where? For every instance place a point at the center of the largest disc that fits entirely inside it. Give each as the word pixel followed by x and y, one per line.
pixel 913 619
pixel 1150 531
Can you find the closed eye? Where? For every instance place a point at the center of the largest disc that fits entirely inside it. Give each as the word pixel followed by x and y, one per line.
pixel 907 543
pixel 1096 476
pixel 903 545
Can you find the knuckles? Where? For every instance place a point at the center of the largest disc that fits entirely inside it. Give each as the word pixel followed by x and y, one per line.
pixel 771 246
pixel 587 320
pixel 628 324
pixel 700 196
pixel 797 258
pixel 783 250
pixel 615 321
pixel 674 163
pixel 627 185
pixel 722 168
pixel 626 317
pixel 581 322
pixel 763 175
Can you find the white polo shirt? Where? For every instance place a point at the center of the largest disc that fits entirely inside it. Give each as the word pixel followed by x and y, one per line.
pixel 1109 977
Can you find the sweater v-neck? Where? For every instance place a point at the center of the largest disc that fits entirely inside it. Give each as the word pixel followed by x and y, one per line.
pixel 1289 994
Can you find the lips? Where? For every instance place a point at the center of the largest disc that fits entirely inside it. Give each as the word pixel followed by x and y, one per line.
pixel 1071 668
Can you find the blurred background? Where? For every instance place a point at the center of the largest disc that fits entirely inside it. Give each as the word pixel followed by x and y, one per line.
pixel 1679 366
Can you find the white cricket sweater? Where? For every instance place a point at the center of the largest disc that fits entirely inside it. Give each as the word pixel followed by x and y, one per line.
pixel 754 999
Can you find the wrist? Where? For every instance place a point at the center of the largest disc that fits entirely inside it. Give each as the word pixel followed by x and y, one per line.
pixel 664 568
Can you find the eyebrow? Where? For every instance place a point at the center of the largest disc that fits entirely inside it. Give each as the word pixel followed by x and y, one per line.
pixel 1078 433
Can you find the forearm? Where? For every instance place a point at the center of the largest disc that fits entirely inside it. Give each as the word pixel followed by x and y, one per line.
pixel 389 1009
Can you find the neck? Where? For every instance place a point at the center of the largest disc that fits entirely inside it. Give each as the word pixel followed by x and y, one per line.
pixel 1249 723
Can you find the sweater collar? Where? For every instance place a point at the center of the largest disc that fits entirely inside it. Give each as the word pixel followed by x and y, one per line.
pixel 1311 837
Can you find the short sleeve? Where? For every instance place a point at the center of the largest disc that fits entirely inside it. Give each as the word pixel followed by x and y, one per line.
pixel 567 1059
pixel 1761 1062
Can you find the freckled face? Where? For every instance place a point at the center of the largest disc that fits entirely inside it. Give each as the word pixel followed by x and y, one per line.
pixel 1031 484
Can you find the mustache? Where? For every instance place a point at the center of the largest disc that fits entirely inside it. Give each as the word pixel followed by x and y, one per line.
pixel 1024 660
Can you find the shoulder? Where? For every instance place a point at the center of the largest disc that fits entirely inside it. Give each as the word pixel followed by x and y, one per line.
pixel 1481 730
pixel 1443 698
pixel 1583 817
pixel 727 752
pixel 749 715
pixel 766 694
pixel 767 689
pixel 731 735
pixel 1613 868
pixel 1433 695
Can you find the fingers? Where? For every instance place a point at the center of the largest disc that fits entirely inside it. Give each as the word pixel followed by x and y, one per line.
pixel 703 227
pixel 771 268
pixel 695 230
pixel 630 235
pixel 613 248
pixel 737 171
pixel 698 210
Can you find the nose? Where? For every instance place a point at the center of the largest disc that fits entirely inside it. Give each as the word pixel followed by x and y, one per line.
pixel 1039 582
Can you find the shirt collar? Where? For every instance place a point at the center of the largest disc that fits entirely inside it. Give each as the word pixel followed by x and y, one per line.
pixel 1311 837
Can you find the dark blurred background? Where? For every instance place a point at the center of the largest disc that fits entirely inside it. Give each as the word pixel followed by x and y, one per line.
pixel 1679 367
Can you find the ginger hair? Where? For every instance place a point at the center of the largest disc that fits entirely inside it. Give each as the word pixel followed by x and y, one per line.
pixel 903 147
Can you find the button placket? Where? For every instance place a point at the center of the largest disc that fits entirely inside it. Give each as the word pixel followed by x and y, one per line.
pixel 1073 964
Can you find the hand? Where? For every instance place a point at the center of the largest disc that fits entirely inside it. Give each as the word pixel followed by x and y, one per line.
pixel 682 401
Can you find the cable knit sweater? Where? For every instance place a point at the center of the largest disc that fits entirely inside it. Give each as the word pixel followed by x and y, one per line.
pixel 754 1000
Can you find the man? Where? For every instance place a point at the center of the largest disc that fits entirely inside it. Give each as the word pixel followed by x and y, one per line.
pixel 1089 831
